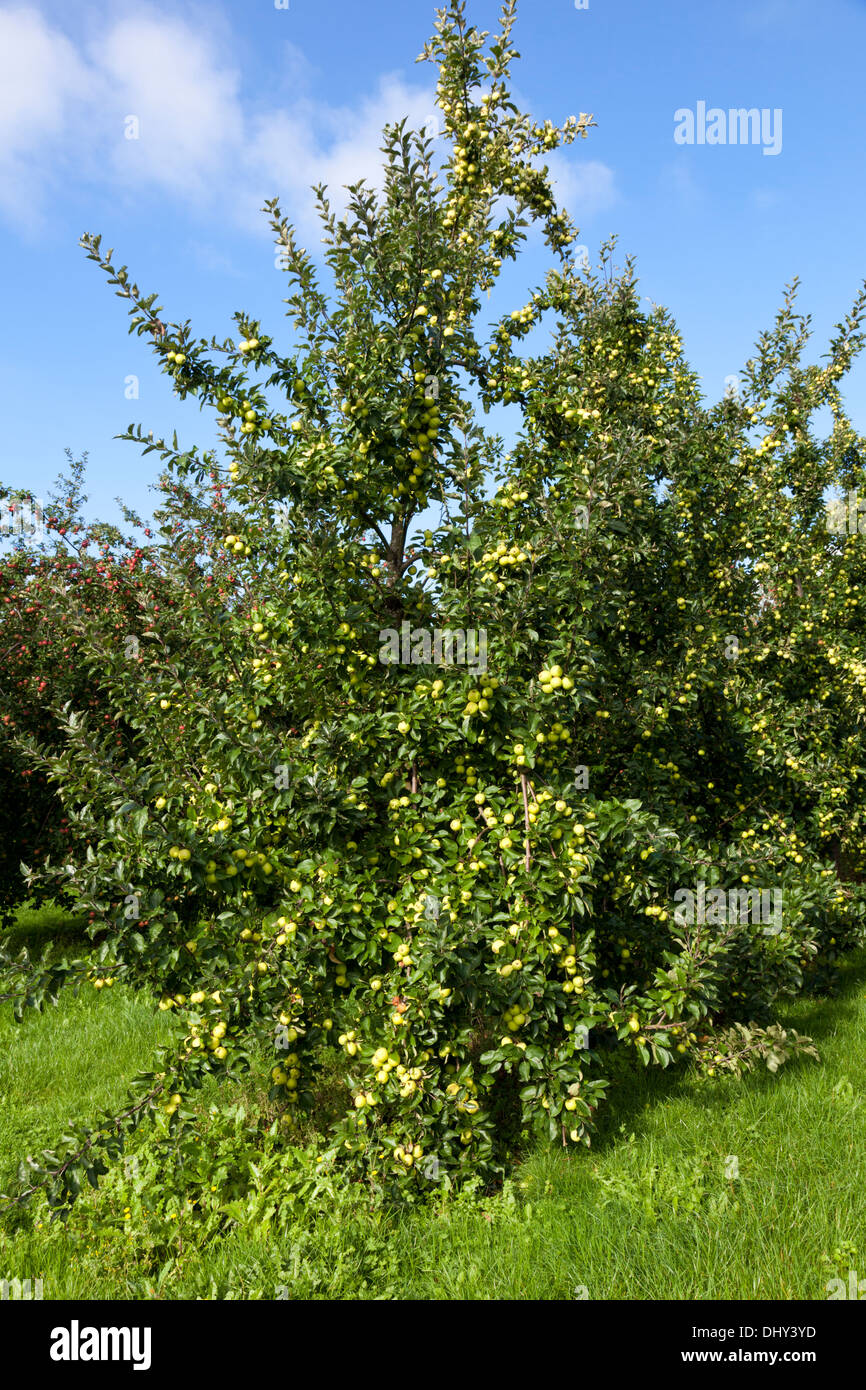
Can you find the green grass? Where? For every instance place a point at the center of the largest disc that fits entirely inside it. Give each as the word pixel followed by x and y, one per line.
pixel 36 928
pixel 70 1061
pixel 651 1212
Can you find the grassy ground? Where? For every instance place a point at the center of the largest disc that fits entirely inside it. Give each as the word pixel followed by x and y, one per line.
pixel 693 1189
pixel 70 1061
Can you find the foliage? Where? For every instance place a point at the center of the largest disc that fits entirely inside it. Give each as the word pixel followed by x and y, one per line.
pixel 46 667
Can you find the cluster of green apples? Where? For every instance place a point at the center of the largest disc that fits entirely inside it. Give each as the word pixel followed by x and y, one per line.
pixel 552 678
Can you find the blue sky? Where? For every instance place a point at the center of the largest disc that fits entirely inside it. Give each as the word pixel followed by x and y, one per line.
pixel 238 100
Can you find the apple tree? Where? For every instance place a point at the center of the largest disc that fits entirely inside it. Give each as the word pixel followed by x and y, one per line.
pixel 440 734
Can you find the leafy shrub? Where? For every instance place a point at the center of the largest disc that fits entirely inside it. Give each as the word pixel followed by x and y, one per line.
pixel 46 667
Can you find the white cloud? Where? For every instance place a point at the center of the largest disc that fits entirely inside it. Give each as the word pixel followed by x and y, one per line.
pixel 39 73
pixel 42 80
pixel 63 107
pixel 583 187
pixel 187 102
pixel 293 148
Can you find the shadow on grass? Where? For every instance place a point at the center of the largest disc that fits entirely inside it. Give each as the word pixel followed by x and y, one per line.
pixel 635 1091
pixel 819 1014
pixel 50 926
